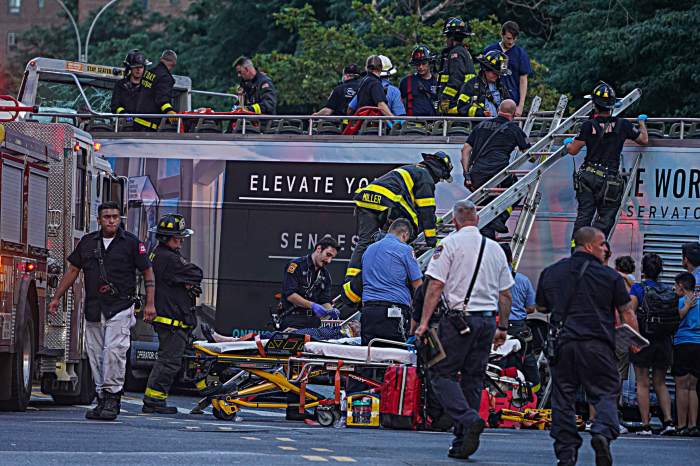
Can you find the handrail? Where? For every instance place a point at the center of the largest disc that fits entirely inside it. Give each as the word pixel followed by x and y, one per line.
pixel 80 88
pixel 216 94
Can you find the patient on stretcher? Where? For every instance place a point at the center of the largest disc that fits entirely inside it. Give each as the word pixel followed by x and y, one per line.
pixel 348 329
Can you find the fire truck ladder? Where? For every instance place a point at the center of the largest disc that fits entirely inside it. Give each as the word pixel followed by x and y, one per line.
pixel 495 199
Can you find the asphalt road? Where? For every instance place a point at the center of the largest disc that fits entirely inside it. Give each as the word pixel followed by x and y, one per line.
pixel 60 435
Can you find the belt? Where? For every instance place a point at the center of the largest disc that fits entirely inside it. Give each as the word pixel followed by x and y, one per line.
pixel 172 322
pixel 145 123
pixel 475 313
pixel 599 170
pixel 386 304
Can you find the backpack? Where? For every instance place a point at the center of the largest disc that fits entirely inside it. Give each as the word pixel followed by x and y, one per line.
pixel 399 407
pixel 659 310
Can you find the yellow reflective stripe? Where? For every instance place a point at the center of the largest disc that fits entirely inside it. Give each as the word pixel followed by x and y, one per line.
pixel 383 191
pixel 452 111
pixel 201 385
pixel 145 123
pixel 368 205
pixel 169 321
pixel 430 233
pixel 256 108
pixel 347 289
pixel 463 98
pixel 155 394
pixel 351 272
pixel 444 78
pixel 120 109
pixel 451 91
pixel 408 180
pixel 166 106
pixel 467 77
pixel 573 243
pixel 425 202
pixel 472 110
pixel 393 197
pixel 509 210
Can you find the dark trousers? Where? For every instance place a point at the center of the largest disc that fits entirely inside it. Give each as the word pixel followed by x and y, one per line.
pixel 301 320
pixel 591 201
pixel 369 222
pixel 375 323
pixel 171 348
pixel 459 378
pixel 498 223
pixel 591 364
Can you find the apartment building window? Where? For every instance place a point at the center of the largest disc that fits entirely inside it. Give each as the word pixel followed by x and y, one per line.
pixel 11 40
pixel 14 6
pixel 41 4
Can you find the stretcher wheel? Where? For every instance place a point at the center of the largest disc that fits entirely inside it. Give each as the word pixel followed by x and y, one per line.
pixel 327 416
pixel 219 414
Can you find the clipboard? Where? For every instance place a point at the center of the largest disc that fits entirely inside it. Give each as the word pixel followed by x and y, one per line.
pixel 626 336
pixel 430 350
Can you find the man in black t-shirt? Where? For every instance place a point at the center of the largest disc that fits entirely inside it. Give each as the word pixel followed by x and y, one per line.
pixel 487 152
pixel 371 92
pixel 598 184
pixel 343 93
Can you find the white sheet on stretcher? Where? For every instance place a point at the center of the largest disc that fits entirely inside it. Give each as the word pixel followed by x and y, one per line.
pixel 329 350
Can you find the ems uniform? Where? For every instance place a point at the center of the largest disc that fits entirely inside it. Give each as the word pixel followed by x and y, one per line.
pixel 478 95
pixel 156 96
pixel 177 284
pixel 409 192
pixel 110 289
pixel 260 95
pixel 301 277
pixel 456 68
pixel 598 184
pixel 341 96
pixel 459 378
pixel 125 97
pixel 585 347
pixel 388 267
pixel 420 95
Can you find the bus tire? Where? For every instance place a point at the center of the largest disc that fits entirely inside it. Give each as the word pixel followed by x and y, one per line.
pixel 22 369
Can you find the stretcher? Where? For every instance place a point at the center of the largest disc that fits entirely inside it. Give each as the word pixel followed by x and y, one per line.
pixel 275 373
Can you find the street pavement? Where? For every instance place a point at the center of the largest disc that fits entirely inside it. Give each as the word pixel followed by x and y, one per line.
pixel 60 435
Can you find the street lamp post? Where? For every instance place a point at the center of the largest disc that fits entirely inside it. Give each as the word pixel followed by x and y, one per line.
pixel 87 40
pixel 81 57
pixel 75 27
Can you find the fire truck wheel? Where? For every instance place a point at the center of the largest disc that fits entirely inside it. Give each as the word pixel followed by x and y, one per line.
pixel 22 370
pixel 86 391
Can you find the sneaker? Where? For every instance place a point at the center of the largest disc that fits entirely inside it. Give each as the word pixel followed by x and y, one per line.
pixel 589 424
pixel 601 445
pixel 668 429
pixel 623 430
pixel 645 430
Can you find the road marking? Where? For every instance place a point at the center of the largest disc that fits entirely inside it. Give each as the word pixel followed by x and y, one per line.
pixel 314 458
pixel 322 450
pixel 344 459
pixel 250 438
pixel 284 439
pixel 192 427
pixel 225 428
pixel 175 422
pixel 80 422
pixel 286 448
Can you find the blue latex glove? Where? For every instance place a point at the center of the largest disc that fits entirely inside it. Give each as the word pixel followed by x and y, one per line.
pixel 568 141
pixel 319 310
pixel 411 340
pixel 642 117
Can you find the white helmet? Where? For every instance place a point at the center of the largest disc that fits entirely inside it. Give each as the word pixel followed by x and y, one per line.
pixel 387 67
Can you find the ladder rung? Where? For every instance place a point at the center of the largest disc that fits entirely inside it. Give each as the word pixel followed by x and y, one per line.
pixel 494 190
pixel 564 135
pixel 518 172
pixel 537 154
pixel 545 113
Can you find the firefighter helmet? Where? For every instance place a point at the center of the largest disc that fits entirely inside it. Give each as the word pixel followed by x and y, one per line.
pixel 496 61
pixel 603 96
pixel 457 28
pixel 388 68
pixel 171 225
pixel 135 58
pixel 439 165
pixel 420 54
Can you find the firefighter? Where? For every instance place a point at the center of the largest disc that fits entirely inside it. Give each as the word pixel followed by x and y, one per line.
pixel 598 184
pixel 125 96
pixel 156 94
pixel 419 90
pixel 481 95
pixel 455 67
pixel 407 191
pixel 178 283
pixel 260 92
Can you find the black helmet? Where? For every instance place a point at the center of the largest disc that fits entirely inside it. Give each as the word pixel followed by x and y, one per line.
pixel 171 225
pixel 457 28
pixel 603 96
pixel 420 54
pixel 496 61
pixel 135 58
pixel 439 165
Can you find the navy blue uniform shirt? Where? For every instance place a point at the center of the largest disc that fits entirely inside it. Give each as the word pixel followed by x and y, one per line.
pixel 421 96
pixel 301 277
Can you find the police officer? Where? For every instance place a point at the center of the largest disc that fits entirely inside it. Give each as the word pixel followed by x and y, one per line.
pixel 581 294
pixel 178 283
pixel 156 95
pixel 343 93
pixel 473 275
pixel 598 184
pixel 482 94
pixel 455 66
pixel 419 90
pixel 306 288
pixel 407 191
pixel 487 152
pixel 125 96
pixel 109 259
pixel 258 88
pixel 371 92
pixel 388 266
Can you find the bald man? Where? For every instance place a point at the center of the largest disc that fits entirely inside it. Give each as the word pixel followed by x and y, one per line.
pixel 487 152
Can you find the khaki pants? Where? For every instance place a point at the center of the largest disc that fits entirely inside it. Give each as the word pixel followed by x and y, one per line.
pixel 107 344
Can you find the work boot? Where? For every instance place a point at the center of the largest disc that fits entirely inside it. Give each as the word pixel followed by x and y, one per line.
pixel 110 411
pixel 94 413
pixel 151 406
pixel 601 445
pixel 471 437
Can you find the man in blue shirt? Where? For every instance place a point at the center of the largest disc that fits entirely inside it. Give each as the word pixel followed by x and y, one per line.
pixel 518 63
pixel 388 266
